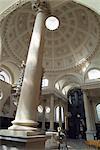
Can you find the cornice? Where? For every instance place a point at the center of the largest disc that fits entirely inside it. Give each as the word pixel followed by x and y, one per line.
pixel 54 92
pixel 91 85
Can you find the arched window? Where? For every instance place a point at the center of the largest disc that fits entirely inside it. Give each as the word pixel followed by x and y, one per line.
pixel 45 82
pixel 1 94
pixel 98 111
pixel 4 76
pixel 94 74
pixel 57 115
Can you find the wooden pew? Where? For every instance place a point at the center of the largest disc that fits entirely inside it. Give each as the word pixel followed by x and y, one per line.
pixel 94 143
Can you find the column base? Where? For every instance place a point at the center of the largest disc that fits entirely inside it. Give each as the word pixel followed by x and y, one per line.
pixel 11 139
pixel 19 133
pixel 23 128
pixel 25 125
pixel 90 135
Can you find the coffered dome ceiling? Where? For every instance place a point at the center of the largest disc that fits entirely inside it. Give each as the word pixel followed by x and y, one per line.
pixel 76 39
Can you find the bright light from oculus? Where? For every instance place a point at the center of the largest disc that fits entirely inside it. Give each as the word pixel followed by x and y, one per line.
pixel 52 23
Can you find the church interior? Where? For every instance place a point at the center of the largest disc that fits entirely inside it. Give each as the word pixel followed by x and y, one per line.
pixel 49 71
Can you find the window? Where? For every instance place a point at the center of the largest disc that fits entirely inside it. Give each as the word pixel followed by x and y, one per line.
pixel 98 111
pixel 45 82
pixel 57 115
pixel 4 76
pixel 40 109
pixel 47 109
pixel 94 74
pixel 1 94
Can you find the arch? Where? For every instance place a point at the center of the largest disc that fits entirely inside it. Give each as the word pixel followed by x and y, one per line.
pixel 5 76
pixel 1 94
pixel 76 78
pixel 70 87
pixel 8 71
pixel 45 82
pixel 91 78
pixel 98 111
pixel 76 75
pixel 14 68
pixel 66 82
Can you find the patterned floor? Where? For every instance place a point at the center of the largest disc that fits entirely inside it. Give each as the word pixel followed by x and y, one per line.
pixel 73 145
pixel 78 145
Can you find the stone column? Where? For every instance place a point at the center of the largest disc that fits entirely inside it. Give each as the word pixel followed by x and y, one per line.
pixel 52 113
pixel 29 97
pixel 66 116
pixel 90 133
pixel 43 116
pixel 66 122
pixel 0 47
pixel 60 117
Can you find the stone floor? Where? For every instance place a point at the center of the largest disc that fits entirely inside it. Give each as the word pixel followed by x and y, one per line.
pixel 78 145
pixel 73 145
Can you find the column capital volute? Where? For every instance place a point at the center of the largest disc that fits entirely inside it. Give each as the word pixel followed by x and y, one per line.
pixel 40 6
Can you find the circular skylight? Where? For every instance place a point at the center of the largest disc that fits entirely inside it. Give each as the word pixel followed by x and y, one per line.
pixel 52 23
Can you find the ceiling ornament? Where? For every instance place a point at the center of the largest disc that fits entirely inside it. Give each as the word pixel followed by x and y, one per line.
pixel 76 40
pixel 67 48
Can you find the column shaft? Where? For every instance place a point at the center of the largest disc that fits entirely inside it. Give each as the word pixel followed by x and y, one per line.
pixel 60 117
pixel 26 111
pixel 87 112
pixel 52 113
pixel 0 47
pixel 43 116
pixel 90 133
pixel 66 122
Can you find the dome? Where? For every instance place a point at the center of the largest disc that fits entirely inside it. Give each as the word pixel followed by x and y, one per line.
pixel 71 44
